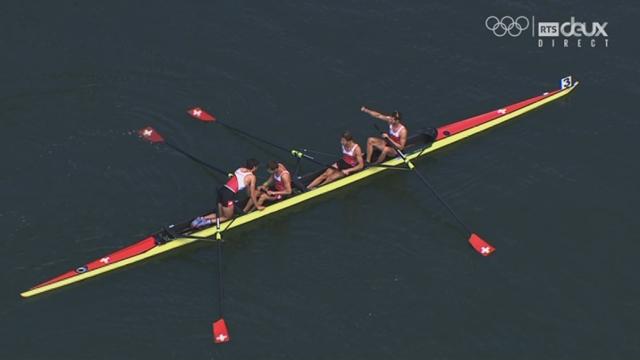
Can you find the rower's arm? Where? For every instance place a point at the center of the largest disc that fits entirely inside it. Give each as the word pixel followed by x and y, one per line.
pixel 251 188
pixel 267 183
pixel 376 114
pixel 403 140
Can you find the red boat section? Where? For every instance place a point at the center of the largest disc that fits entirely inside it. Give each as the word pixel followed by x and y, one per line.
pixel 122 254
pixel 462 125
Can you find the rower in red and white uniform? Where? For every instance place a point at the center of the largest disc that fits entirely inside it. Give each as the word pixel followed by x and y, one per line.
pixel 243 178
pixel 350 162
pixel 397 135
pixel 276 188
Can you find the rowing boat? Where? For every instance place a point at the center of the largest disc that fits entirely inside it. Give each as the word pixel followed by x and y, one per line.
pixel 419 145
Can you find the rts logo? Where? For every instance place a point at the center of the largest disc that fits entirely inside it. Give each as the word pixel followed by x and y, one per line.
pixel 571 29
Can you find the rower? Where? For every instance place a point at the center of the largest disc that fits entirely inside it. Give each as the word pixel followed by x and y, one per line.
pixel 397 135
pixel 350 162
pixel 276 188
pixel 242 178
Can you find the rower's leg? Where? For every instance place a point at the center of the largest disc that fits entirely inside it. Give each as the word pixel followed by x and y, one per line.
pixel 263 197
pixel 227 212
pixel 384 152
pixel 373 143
pixel 370 142
pixel 211 216
pixel 317 181
pixel 333 177
pixel 249 207
pixel 382 155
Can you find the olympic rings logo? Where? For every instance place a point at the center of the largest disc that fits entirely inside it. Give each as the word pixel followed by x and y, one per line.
pixel 507 25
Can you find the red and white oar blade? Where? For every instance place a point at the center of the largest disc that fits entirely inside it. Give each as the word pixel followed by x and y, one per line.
pixel 220 332
pixel 481 246
pixel 201 115
pixel 151 135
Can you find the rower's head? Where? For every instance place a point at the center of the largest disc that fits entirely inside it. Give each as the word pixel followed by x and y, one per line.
pixel 272 166
pixel 346 138
pixel 397 117
pixel 252 164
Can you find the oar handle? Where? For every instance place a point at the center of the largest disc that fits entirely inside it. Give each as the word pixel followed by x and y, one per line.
pixel 301 155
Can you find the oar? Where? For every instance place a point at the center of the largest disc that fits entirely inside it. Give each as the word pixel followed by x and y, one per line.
pixel 480 245
pixel 220 330
pixel 219 326
pixel 154 137
pixel 202 115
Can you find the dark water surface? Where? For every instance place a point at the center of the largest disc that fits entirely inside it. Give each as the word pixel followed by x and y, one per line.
pixel 378 270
